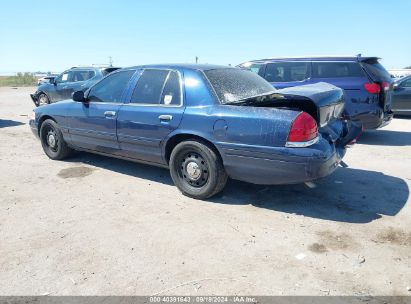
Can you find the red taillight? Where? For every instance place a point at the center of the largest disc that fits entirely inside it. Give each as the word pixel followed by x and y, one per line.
pixel 303 129
pixel 373 88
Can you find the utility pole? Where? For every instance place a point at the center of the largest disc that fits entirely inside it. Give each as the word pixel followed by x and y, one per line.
pixel 110 60
pixel 196 59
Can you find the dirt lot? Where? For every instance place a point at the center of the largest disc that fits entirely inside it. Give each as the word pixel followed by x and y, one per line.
pixel 99 226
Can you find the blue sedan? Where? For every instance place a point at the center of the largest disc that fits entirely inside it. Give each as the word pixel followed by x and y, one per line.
pixel 205 123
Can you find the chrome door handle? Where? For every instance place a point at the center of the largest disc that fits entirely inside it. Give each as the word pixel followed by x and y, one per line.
pixel 165 117
pixel 109 114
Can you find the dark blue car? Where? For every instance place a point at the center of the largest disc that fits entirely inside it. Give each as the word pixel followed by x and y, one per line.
pixel 366 83
pixel 205 123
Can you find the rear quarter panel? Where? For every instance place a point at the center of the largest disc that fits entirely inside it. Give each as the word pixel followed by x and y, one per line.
pixel 241 126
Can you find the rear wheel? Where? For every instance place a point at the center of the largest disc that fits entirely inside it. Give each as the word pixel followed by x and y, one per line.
pixel 52 141
pixel 197 170
pixel 42 99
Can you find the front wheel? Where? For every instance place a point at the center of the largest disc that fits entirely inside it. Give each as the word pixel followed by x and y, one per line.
pixel 52 141
pixel 197 170
pixel 42 99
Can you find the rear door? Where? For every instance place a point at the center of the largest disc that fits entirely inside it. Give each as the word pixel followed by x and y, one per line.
pixel 349 76
pixel 154 109
pixel 284 74
pixel 93 125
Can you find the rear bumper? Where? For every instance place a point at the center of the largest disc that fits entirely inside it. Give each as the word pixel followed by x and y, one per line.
pixel 270 171
pixel 282 165
pixel 374 120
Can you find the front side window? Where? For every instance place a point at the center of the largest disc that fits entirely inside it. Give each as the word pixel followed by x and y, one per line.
pixel 157 87
pixel 337 69
pixel 253 67
pixel 406 83
pixel 287 71
pixel 111 88
pixel 233 85
pixel 65 77
pixel 83 75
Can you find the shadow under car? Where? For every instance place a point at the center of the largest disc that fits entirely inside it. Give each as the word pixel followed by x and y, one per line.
pixel 349 195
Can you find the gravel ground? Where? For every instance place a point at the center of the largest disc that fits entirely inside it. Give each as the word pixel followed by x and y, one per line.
pixel 93 225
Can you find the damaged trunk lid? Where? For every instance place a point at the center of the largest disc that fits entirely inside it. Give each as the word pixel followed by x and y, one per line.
pixel 323 101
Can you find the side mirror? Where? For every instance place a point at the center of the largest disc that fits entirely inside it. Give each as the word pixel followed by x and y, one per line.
pixel 79 96
pixel 395 86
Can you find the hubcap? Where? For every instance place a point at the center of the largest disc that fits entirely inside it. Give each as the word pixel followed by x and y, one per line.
pixel 193 170
pixel 51 140
pixel 43 100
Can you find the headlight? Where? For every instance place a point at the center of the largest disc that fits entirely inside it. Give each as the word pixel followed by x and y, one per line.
pixel 33 115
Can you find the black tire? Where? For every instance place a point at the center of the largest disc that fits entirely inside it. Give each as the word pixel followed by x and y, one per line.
pixel 52 141
pixel 42 99
pixel 197 170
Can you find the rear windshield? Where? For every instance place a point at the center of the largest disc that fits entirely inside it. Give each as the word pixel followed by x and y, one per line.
pixel 233 85
pixel 377 71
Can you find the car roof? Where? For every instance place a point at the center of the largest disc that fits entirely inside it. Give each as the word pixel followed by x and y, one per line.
pixel 316 58
pixel 187 66
pixel 93 67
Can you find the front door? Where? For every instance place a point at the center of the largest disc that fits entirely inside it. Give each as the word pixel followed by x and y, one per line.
pixel 154 110
pixel 93 124
pixel 61 86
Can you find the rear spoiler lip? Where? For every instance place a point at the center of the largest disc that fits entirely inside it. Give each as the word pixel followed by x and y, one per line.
pixel 365 59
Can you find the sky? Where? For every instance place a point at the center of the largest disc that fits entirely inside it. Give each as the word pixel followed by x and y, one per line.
pixel 55 35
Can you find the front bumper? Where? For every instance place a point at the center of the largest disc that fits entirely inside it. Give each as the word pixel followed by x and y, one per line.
pixel 34 98
pixel 33 127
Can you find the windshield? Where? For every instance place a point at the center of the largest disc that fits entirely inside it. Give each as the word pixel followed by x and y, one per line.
pixel 233 85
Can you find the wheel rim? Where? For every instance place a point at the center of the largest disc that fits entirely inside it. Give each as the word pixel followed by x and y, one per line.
pixel 43 99
pixel 194 170
pixel 51 139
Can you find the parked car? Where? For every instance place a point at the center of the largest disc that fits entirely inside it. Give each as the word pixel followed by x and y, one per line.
pixel 74 79
pixel 367 84
pixel 401 99
pixel 205 123
pixel 46 79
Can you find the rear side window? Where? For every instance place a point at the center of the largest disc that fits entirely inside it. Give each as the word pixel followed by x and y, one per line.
pixel 337 69
pixel 157 87
pixel 377 71
pixel 111 88
pixel 83 75
pixel 233 85
pixel 287 71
